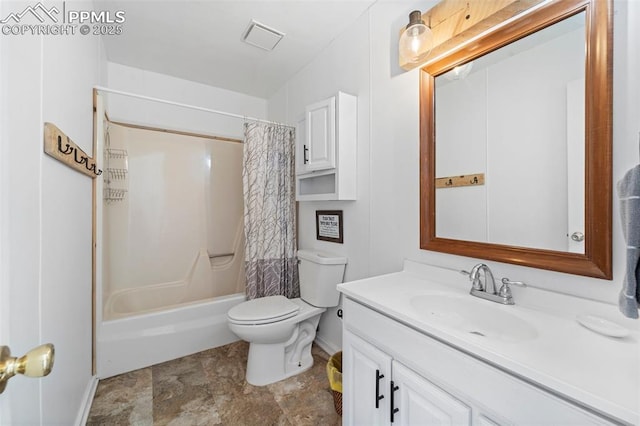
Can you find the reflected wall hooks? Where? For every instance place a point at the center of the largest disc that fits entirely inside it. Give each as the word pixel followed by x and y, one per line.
pixel 62 148
pixel 463 180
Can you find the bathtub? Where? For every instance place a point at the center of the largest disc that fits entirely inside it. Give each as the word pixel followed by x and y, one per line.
pixel 134 342
pixel 209 277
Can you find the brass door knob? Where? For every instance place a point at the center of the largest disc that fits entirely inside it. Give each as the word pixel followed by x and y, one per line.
pixel 38 362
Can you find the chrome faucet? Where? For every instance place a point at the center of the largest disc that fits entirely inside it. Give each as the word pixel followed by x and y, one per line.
pixel 481 289
pixel 476 282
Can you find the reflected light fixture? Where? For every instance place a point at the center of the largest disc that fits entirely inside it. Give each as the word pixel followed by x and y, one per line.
pixel 459 72
pixel 416 40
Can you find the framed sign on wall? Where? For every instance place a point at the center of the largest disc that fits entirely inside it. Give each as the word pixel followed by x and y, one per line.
pixel 329 225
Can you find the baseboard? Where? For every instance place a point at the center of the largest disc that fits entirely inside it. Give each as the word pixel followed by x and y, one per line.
pixel 326 346
pixel 89 393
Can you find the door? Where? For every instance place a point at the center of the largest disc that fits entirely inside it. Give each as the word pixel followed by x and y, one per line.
pixel 366 373
pixel 19 311
pixel 20 403
pixel 301 146
pixel 420 402
pixel 318 148
pixel 575 165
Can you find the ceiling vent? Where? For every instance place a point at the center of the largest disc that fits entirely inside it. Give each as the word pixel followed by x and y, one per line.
pixel 262 36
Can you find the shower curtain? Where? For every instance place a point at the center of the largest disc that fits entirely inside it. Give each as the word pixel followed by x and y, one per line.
pixel 268 178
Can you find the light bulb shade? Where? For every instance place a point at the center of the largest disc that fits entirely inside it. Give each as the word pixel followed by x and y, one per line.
pixel 416 40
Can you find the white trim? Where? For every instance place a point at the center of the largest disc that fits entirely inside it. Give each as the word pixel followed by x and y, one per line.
pixel 89 393
pixel 5 407
pixel 40 225
pixel 182 105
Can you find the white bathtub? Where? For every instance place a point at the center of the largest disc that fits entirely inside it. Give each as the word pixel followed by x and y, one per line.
pixel 139 341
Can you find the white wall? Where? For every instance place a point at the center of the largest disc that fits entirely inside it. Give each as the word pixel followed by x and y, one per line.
pixel 382 226
pixel 147 83
pixel 49 78
pixel 343 66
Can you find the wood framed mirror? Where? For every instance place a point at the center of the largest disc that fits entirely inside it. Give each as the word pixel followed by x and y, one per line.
pixel 516 143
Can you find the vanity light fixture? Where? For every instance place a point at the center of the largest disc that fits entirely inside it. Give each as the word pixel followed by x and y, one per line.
pixel 416 40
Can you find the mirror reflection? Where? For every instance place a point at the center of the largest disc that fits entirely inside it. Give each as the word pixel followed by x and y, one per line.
pixel 510 143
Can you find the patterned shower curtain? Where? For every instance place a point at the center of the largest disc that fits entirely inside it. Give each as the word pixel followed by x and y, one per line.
pixel 268 178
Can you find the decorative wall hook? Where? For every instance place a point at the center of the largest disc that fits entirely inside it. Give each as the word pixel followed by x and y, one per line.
pixel 71 154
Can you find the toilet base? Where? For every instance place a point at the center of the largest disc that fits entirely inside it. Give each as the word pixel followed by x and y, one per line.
pixel 270 363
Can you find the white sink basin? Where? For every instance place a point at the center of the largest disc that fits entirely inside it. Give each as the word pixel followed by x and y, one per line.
pixel 467 315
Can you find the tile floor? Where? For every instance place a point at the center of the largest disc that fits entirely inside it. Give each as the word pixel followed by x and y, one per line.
pixel 208 388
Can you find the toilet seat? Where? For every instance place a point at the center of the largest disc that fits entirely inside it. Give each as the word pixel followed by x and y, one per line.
pixel 264 310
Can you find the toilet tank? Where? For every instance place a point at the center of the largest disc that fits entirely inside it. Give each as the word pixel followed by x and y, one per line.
pixel 320 272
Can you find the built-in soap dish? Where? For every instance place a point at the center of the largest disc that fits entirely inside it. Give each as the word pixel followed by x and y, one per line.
pixel 602 326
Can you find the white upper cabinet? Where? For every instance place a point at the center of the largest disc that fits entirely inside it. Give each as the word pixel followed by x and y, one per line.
pixel 326 148
pixel 319 147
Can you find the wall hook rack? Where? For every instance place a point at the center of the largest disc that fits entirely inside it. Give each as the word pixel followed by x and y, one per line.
pixel 59 146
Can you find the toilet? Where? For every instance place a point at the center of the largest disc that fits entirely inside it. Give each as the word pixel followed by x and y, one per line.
pixel 280 330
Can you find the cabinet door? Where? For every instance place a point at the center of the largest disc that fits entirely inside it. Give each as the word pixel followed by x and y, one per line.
pixel 365 373
pixel 420 402
pixel 301 145
pixel 319 148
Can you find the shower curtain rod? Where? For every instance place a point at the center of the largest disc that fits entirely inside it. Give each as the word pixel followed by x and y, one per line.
pixel 175 132
pixel 179 104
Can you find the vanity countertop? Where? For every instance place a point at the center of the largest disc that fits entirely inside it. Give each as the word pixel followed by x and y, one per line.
pixel 559 354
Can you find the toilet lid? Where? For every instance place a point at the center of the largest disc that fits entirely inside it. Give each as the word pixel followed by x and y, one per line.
pixel 263 310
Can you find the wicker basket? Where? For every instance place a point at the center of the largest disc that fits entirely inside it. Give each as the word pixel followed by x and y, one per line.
pixel 334 372
pixel 337 402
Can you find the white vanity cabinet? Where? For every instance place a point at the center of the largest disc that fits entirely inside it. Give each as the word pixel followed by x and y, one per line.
pixel 365 400
pixel 379 391
pixel 326 150
pixel 435 383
